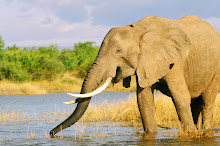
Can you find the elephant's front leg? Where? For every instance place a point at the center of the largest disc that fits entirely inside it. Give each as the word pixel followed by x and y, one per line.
pixel 147 109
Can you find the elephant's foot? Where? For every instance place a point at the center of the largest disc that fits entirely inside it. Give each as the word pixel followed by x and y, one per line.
pixel 207 125
pixel 149 135
pixel 207 130
pixel 189 128
pixel 195 134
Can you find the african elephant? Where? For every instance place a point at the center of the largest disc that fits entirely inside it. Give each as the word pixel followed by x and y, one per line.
pixel 180 58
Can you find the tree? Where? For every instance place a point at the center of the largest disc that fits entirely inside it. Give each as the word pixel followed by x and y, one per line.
pixel 2 43
pixel 86 54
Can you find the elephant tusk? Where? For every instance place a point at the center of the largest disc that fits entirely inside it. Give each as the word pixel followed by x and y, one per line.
pixel 70 102
pixel 95 92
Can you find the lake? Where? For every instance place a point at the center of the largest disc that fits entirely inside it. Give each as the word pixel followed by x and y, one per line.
pixel 33 119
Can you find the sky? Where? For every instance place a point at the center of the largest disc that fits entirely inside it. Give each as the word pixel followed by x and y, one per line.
pixel 29 23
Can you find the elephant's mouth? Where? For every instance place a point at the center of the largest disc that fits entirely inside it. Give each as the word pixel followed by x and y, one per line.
pixel 122 73
pixel 118 75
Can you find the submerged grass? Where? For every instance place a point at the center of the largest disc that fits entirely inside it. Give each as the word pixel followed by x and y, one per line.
pixel 195 134
pixel 125 111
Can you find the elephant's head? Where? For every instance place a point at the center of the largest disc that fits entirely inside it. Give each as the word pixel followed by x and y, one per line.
pixel 147 48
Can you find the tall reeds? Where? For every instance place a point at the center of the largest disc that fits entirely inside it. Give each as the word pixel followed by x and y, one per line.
pixel 121 111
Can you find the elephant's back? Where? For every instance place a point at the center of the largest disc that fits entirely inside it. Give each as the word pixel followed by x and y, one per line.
pixel 203 60
pixel 200 67
pixel 200 32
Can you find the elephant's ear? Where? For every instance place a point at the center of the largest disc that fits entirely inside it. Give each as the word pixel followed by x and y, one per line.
pixel 159 51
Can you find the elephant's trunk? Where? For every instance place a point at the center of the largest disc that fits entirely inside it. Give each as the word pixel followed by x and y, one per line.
pixel 90 83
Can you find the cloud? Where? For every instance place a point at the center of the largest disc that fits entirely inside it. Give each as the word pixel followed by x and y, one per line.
pixel 45 22
pixel 30 24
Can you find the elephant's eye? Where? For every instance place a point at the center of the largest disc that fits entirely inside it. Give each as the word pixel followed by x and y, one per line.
pixel 118 51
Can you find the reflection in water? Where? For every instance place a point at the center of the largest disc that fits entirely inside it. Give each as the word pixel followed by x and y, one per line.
pixel 99 133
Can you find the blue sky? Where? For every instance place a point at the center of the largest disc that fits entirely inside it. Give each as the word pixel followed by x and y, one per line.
pixel 65 22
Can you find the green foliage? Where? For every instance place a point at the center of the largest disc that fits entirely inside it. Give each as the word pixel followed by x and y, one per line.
pixel 81 58
pixel 51 51
pixel 52 68
pixel 69 59
pixel 2 43
pixel 48 62
pixel 85 54
pixel 13 72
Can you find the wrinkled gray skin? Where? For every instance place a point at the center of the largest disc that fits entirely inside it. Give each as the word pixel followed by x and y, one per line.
pixel 181 58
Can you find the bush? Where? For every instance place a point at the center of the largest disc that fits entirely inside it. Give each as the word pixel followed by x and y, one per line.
pixel 86 54
pixel 53 67
pixel 68 58
pixel 50 51
pixel 45 62
pixel 2 43
pixel 13 72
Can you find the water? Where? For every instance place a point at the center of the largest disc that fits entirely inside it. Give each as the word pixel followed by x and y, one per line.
pixel 48 102
pixel 35 132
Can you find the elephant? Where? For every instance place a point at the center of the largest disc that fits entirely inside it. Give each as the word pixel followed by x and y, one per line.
pixel 180 58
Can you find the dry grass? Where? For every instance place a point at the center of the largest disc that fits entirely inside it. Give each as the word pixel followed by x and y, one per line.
pixel 121 111
pixel 30 135
pixel 10 88
pixel 7 116
pixel 127 111
pixel 166 115
pixel 67 83
pixel 124 110
pixel 216 115
pixel 19 116
pixel 195 134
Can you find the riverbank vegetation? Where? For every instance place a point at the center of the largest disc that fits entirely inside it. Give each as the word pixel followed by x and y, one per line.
pixel 45 63
pixel 42 70
pixel 48 69
pixel 127 111
pixel 69 82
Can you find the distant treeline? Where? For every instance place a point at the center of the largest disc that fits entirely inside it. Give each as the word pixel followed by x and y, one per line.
pixel 30 64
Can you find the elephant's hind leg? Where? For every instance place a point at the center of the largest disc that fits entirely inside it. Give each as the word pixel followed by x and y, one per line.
pixel 181 97
pixel 209 96
pixel 196 108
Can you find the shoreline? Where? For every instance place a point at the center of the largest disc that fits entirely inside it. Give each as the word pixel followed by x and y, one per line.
pixel 46 87
pixel 69 82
